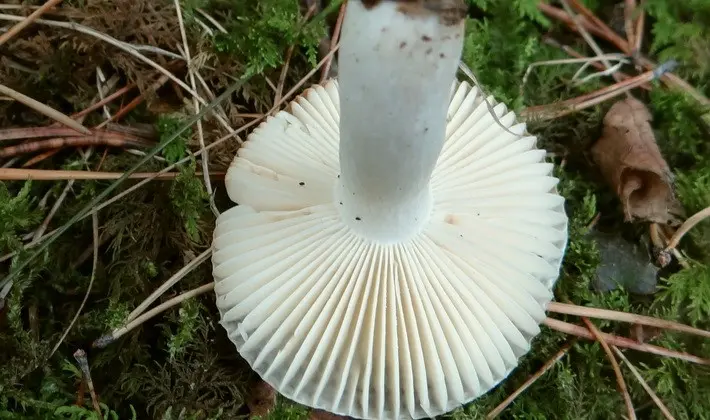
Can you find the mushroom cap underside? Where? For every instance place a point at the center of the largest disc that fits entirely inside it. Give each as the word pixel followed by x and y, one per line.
pixel 408 330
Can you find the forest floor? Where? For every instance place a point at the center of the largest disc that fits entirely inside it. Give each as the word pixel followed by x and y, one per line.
pixel 94 91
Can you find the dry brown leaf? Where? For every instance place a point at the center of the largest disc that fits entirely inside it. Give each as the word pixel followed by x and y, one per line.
pixel 261 400
pixel 630 160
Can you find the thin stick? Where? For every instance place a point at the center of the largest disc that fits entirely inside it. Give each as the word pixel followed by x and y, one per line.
pixel 615 365
pixel 645 385
pixel 580 331
pixel 135 102
pixel 168 284
pixel 43 227
pixel 29 19
pixel 191 74
pixel 80 356
pixel 212 20
pixel 36 132
pixel 98 138
pixel 43 109
pixel 686 226
pixel 325 73
pixel 110 338
pixel 597 22
pixel 569 309
pixel 282 77
pixel 95 228
pixel 22 174
pixel 559 109
pixel 547 366
pixel 629 9
pixel 588 38
pixel 640 22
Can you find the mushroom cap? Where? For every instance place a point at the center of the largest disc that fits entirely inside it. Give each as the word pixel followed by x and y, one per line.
pixel 414 329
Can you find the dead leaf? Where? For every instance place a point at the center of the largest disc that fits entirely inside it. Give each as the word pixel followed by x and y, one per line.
pixel 630 160
pixel 324 415
pixel 262 399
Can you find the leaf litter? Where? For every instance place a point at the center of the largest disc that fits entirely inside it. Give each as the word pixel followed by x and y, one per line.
pixel 631 162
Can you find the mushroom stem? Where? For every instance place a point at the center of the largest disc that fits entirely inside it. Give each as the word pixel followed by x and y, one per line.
pixel 397 66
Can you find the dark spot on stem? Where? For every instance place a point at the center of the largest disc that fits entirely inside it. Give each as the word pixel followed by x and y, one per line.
pixel 301 183
pixel 429 51
pixel 402 45
pixel 358 218
pixel 442 55
pixel 426 38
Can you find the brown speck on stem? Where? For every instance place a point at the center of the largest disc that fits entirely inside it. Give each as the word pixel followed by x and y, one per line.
pixel 402 45
pixel 426 38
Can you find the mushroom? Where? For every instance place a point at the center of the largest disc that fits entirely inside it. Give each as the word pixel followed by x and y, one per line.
pixel 395 243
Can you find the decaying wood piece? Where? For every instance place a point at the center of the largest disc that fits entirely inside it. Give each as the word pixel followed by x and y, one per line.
pixel 631 162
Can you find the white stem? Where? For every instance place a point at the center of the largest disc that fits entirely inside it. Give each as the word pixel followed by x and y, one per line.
pixel 397 66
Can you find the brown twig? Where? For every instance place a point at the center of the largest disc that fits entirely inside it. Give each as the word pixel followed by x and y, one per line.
pixel 17 174
pixel 615 365
pixel 98 138
pixel 121 112
pixel 603 27
pixel 561 15
pixel 625 342
pixel 562 108
pixel 117 94
pixel 282 77
pixel 136 101
pixel 80 356
pixel 325 73
pixel 639 30
pixel 27 21
pixel 569 309
pixel 686 226
pixel 629 10
pixel 35 132
pixel 547 366
pixel 40 157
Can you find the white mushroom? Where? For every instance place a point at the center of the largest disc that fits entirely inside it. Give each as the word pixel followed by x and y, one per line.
pixel 394 246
